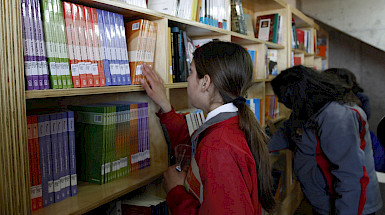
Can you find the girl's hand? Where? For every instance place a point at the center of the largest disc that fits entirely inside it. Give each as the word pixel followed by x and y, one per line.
pixel 173 178
pixel 154 88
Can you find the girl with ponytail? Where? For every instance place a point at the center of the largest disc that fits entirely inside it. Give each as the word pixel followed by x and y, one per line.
pixel 230 171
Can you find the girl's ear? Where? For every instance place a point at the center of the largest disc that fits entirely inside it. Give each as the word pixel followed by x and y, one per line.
pixel 205 82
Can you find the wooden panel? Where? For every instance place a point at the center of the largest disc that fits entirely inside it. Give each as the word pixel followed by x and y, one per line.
pixel 14 182
pixel 91 196
pixel 179 98
pixel 161 51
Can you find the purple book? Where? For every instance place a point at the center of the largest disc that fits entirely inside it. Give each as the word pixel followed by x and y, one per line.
pixel 55 156
pixel 61 155
pixel 41 119
pixel 66 155
pixel 72 155
pixel 43 76
pixel 104 48
pixel 48 151
pixel 27 45
pixel 33 38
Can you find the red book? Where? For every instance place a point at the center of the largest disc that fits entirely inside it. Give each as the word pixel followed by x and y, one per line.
pixel 37 175
pixel 301 39
pixel 297 61
pixel 31 156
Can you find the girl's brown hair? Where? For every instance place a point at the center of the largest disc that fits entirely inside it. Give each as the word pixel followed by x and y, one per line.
pixel 230 69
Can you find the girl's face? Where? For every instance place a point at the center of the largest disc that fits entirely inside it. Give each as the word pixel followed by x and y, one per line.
pixel 194 87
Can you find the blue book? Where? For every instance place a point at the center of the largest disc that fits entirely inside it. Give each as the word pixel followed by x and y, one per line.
pixel 41 119
pixel 55 157
pixel 72 154
pixel 104 48
pixel 257 103
pixel 66 172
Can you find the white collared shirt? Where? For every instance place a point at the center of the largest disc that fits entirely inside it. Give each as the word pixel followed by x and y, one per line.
pixel 229 107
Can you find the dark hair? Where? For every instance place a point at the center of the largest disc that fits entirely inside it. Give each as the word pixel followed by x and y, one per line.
pixel 230 69
pixel 305 91
pixel 348 77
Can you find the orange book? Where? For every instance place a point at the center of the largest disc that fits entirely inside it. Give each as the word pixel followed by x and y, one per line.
pixel 134 35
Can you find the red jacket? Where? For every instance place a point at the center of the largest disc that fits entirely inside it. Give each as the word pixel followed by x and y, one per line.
pixel 226 167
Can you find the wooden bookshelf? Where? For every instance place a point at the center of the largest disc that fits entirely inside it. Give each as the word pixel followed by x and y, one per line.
pixel 16 101
pixel 91 196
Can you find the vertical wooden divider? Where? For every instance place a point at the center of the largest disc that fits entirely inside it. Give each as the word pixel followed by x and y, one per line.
pixel 14 182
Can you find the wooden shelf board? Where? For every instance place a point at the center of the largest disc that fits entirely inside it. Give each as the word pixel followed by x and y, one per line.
pixel 194 28
pixel 309 54
pixel 298 51
pixel 91 196
pixel 274 45
pixel 123 8
pixel 263 5
pixel 301 20
pixel 33 94
pixel 317 56
pixel 176 85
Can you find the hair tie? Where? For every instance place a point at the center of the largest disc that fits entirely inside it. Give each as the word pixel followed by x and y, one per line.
pixel 239 101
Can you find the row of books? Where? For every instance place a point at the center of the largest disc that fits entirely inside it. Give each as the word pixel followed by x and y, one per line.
pixel 180 50
pixel 271 107
pixel 269 28
pixel 52 161
pixel 139 3
pixel 238 22
pixel 112 140
pixel 69 45
pixel 194 118
pixel 210 12
pixel 256 106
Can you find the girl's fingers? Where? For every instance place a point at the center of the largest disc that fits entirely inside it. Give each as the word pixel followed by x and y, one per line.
pixel 146 87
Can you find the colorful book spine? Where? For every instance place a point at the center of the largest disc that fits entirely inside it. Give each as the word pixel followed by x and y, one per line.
pixel 37 175
pixel 83 44
pixel 90 47
pixel 110 46
pixel 123 45
pixel 41 57
pixel 61 155
pixel 71 151
pixel 55 157
pixel 43 159
pixel 31 48
pixel 31 159
pixel 104 48
pixel 115 37
pixel 66 155
pixel 49 159
pixel 96 46
pixel 70 32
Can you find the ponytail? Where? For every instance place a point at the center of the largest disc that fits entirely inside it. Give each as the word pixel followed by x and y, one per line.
pixel 257 140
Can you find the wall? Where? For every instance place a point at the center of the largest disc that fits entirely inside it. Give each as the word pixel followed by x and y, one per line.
pixel 364 20
pixel 366 62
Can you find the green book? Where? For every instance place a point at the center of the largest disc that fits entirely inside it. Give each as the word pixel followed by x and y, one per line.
pixel 91 122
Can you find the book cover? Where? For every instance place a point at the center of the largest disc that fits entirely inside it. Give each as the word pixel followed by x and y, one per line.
pixel 55 156
pixel 301 39
pixel 49 159
pixel 66 154
pixel 61 155
pixel 266 27
pixel 115 70
pixel 134 35
pixel 104 54
pixel 69 27
pixel 97 46
pixel 31 159
pixel 89 36
pixel 72 152
pixel 123 45
pixel 79 51
pixel 83 36
pixel 37 175
pixel 43 159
